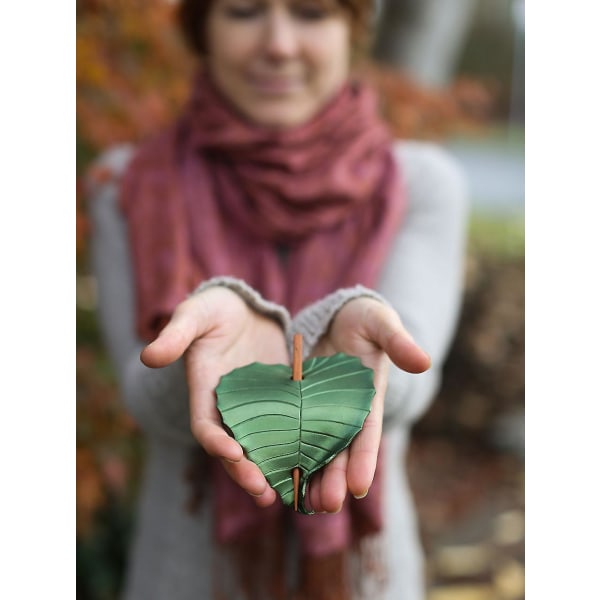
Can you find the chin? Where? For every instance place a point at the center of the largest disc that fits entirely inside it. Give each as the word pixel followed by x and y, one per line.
pixel 280 119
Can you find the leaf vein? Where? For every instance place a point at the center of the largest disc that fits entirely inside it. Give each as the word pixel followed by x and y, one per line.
pixel 326 381
pixel 263 416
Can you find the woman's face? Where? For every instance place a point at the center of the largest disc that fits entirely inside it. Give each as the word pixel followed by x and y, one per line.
pixel 278 61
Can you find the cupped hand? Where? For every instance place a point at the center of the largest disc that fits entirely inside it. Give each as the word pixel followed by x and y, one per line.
pixel 373 332
pixel 216 331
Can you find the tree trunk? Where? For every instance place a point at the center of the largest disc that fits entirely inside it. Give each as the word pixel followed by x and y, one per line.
pixel 424 37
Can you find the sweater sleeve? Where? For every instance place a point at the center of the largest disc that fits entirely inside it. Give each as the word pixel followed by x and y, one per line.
pixel 156 398
pixel 422 279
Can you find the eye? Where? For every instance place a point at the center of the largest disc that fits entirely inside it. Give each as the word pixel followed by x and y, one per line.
pixel 311 11
pixel 243 10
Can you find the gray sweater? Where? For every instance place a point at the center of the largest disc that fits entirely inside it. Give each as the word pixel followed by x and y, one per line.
pixel 172 555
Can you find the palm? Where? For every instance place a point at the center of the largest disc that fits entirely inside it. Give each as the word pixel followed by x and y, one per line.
pixel 216 332
pixel 373 332
pixel 349 334
pixel 237 336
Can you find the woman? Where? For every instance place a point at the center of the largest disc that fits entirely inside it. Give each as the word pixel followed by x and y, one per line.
pixel 276 194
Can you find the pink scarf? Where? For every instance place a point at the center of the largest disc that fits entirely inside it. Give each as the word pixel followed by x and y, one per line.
pixel 216 195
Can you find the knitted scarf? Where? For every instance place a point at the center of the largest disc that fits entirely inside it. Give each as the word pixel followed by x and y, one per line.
pixel 295 213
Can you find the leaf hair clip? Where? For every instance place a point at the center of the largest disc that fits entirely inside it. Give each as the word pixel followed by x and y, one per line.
pixel 291 427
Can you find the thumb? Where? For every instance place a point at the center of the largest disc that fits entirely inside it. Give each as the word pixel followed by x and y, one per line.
pixel 385 329
pixel 185 326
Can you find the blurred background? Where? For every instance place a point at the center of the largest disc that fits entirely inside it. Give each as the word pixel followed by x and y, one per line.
pixel 450 71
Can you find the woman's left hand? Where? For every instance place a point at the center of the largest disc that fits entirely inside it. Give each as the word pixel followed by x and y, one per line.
pixel 373 332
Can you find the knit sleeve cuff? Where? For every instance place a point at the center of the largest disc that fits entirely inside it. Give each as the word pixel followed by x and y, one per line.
pixel 252 298
pixel 314 320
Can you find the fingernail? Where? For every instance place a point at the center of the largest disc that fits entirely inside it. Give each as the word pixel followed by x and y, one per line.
pixel 361 496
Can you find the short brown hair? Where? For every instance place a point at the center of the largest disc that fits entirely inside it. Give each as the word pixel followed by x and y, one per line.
pixel 193 13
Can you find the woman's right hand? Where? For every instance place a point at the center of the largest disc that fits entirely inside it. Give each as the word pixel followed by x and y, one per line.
pixel 216 331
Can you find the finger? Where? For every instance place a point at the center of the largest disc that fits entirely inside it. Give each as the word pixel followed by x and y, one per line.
pixel 189 321
pixel 313 493
pixel 385 329
pixel 205 419
pixel 250 478
pixel 215 440
pixel 364 449
pixel 405 353
pixel 333 487
pixel 266 499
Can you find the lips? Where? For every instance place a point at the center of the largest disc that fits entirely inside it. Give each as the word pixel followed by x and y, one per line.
pixel 275 85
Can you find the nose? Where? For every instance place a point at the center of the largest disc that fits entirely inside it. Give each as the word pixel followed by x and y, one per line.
pixel 280 36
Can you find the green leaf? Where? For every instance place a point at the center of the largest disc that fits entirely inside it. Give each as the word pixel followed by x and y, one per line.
pixel 283 424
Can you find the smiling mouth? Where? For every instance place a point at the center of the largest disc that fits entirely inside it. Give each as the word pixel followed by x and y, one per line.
pixel 275 86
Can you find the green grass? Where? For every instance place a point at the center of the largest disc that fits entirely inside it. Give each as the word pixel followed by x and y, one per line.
pixel 503 237
pixel 500 136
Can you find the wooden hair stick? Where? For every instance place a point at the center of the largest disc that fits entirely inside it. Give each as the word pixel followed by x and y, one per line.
pixel 296 376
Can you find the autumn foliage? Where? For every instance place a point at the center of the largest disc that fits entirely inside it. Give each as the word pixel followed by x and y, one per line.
pixel 132 69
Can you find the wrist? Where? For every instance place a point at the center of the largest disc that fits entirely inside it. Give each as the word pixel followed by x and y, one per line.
pixel 251 297
pixel 314 321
